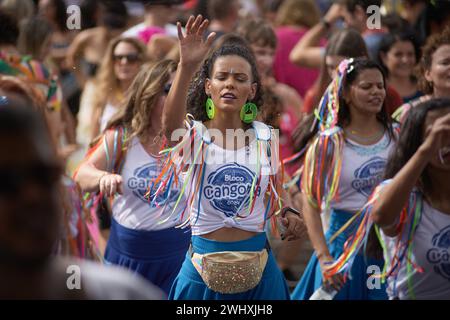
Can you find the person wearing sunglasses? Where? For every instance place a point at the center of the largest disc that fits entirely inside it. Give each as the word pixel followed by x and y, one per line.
pixel 121 165
pixel 122 61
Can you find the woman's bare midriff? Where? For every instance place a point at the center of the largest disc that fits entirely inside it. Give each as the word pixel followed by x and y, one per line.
pixel 229 235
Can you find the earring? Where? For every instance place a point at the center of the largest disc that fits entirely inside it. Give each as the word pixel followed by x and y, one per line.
pixel 249 112
pixel 210 108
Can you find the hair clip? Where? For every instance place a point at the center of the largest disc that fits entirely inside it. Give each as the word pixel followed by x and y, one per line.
pixel 350 69
pixel 346 66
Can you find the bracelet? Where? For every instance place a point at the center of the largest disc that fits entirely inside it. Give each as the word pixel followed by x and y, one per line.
pixel 286 209
pixel 321 255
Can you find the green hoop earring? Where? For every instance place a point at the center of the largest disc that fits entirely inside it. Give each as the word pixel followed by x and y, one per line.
pixel 249 112
pixel 210 108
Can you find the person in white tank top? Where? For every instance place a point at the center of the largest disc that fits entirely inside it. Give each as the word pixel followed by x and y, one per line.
pixel 121 166
pixel 418 197
pixel 344 162
pixel 226 182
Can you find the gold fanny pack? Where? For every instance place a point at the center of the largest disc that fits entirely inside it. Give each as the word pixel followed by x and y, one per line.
pixel 231 272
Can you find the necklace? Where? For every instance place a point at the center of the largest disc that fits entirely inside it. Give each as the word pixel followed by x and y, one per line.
pixel 352 134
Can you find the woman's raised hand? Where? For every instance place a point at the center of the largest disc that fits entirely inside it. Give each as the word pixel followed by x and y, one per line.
pixel 193 47
pixel 437 136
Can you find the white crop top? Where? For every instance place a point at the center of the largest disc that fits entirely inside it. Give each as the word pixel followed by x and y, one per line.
pixel 227 182
pixel 132 209
pixel 362 170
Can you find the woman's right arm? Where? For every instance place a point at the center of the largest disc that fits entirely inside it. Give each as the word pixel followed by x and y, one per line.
pixel 307 52
pixel 193 50
pixel 92 176
pixel 316 235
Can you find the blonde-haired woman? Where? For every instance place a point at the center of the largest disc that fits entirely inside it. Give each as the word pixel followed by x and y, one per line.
pixel 138 239
pixel 99 102
pixel 121 64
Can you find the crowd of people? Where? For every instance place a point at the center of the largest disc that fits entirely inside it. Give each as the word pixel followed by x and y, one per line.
pixel 187 150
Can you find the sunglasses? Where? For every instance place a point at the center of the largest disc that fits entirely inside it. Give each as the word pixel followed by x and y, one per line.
pixel 13 179
pixel 130 58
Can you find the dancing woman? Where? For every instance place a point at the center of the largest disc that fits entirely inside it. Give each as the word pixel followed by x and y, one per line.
pixel 232 189
pixel 343 164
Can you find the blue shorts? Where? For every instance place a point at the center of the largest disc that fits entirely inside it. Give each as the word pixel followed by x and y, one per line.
pixel 156 255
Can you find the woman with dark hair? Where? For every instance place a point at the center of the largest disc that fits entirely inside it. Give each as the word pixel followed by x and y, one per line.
pixel 420 173
pixel 119 166
pixel 411 209
pixel 227 179
pixel 434 72
pixel 398 54
pixel 343 164
pixel 343 44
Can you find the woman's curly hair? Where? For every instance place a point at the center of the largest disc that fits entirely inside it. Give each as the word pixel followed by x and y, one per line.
pixel 196 98
pixel 431 46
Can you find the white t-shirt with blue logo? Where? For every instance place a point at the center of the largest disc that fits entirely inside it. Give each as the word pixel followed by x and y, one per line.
pixel 225 195
pixel 431 251
pixel 133 209
pixel 362 170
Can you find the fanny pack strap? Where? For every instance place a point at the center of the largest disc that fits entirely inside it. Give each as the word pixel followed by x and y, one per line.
pixel 191 250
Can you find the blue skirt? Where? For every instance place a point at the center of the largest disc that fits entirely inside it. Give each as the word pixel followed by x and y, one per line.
pixel 156 255
pixel 189 284
pixel 355 288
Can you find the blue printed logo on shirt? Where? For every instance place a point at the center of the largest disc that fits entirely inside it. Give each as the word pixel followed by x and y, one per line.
pixel 141 181
pixel 228 188
pixel 369 175
pixel 439 255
